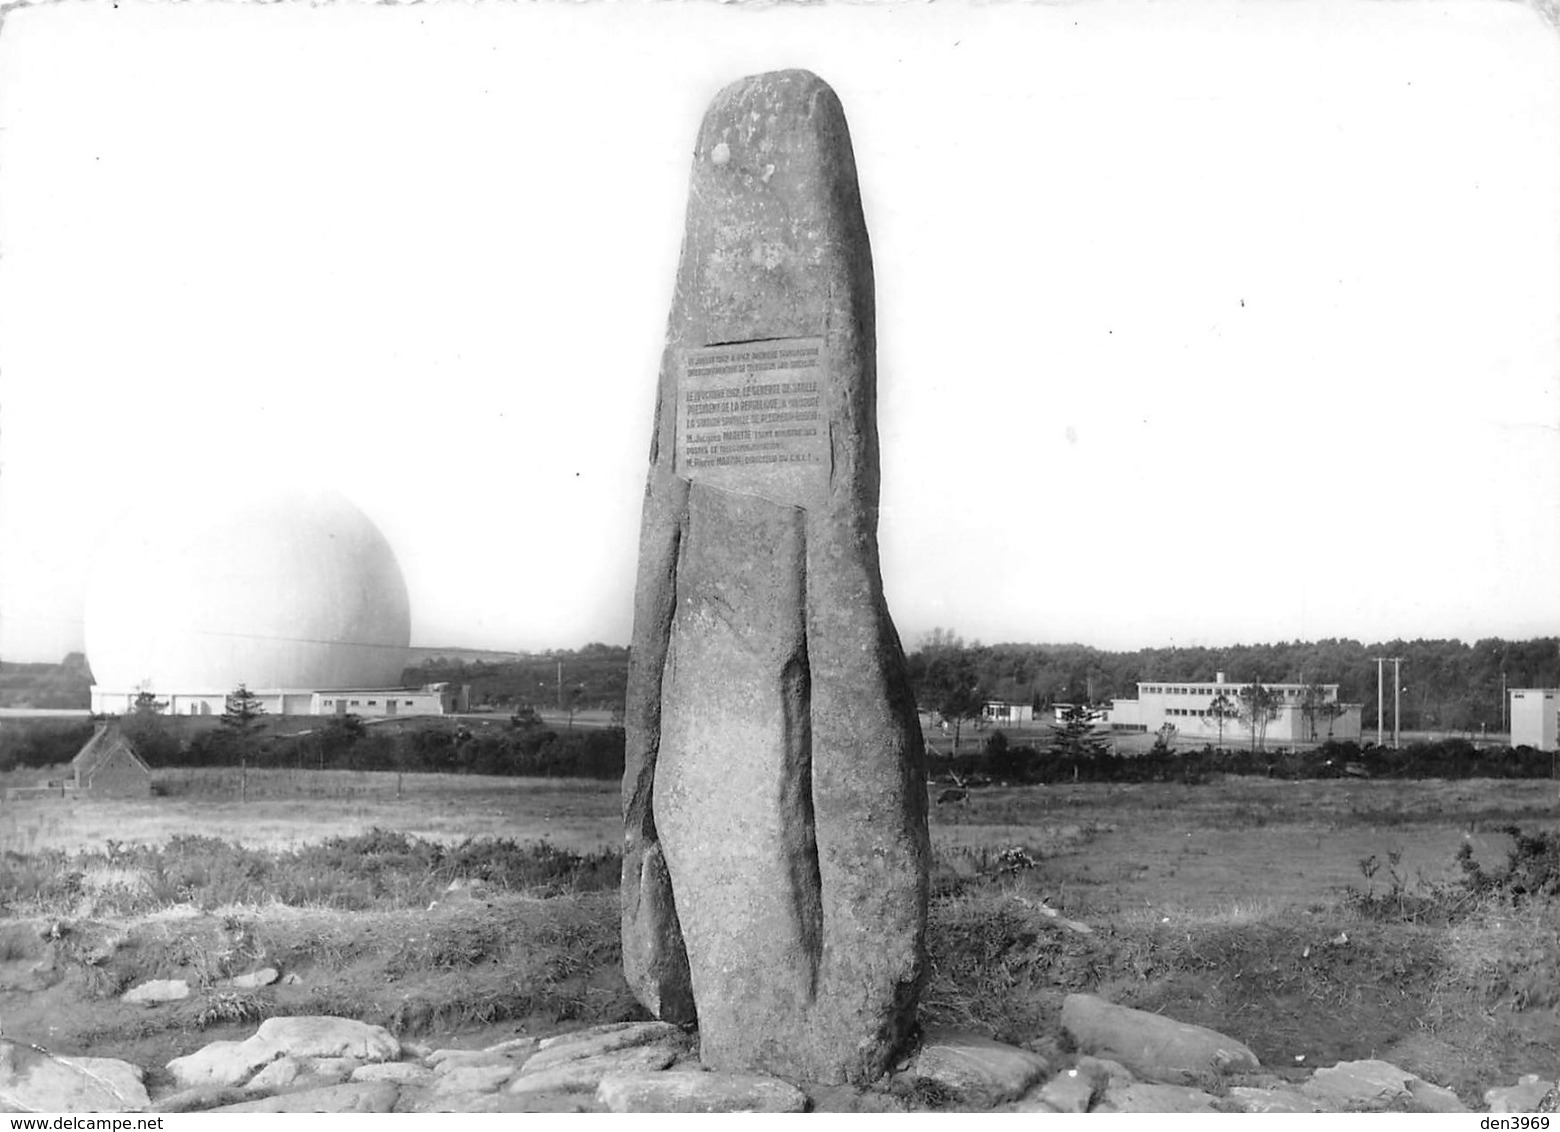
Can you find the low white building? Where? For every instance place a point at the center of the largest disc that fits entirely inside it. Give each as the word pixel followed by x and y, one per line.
pixel 1535 718
pixel 998 711
pixel 1189 707
pixel 431 699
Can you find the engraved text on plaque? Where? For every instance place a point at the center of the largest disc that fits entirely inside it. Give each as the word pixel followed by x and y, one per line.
pixel 751 418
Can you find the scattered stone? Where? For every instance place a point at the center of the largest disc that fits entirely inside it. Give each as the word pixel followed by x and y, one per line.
pixel 576 1035
pixel 368 1096
pixel 1069 1091
pixel 447 1060
pixel 1152 1045
pixel 473 1078
pixel 599 1040
pixel 416 1051
pixel 789 899
pixel 122 1077
pixel 297 1072
pixel 698 1092
pixel 324 1036
pixel 517 1048
pixel 1140 1096
pixel 586 1073
pixel 199 1099
pixel 975 1068
pixel 847 1098
pixel 401 1072
pixel 221 1063
pixel 292 979
pixel 34 1081
pixel 532 1102
pixel 332 1070
pixel 264 977
pixel 1358 1084
pixel 1276 1099
pixel 1104 1071
pixel 275 1076
pixel 157 991
pixel 1426 1097
pixel 315 1038
pixel 1525 1096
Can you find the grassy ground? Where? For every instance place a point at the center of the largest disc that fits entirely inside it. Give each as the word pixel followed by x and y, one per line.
pixel 283 808
pixel 1315 921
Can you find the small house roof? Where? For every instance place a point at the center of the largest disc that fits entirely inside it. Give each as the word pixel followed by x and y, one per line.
pixel 106 742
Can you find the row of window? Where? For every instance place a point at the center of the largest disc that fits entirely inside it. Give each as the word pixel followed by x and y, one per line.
pixel 371 703
pixel 1232 690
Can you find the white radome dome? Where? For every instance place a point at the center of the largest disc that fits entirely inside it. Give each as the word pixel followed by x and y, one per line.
pixel 282 589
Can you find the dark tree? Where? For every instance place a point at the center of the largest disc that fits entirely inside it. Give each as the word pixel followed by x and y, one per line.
pixel 242 723
pixel 1074 736
pixel 952 686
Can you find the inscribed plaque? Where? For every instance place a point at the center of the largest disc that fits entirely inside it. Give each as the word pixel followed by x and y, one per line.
pixel 751 419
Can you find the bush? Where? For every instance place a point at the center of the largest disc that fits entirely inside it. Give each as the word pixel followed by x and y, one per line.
pixel 40 743
pixel 1532 866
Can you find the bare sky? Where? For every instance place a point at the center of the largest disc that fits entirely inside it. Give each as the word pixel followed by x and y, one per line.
pixel 1198 322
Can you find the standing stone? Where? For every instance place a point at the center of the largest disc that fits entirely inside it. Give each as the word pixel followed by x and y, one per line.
pixel 776 852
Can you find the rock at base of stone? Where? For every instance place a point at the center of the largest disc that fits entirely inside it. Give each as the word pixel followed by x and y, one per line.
pixel 278 1075
pixel 976 1069
pixel 327 1036
pixel 474 1078
pixel 199 1099
pixel 401 1072
pixel 584 1074
pixel 1370 1084
pixel 1144 1097
pixel 698 1092
pixel 311 1038
pixel 369 1096
pixel 1279 1098
pixel 1426 1097
pixel 34 1081
pixel 1152 1045
pixel 1068 1091
pixel 599 1040
pixel 1525 1096
pixel 221 1063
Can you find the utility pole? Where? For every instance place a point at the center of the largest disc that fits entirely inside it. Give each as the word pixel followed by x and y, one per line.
pixel 1379 702
pixel 560 685
pixel 1397 695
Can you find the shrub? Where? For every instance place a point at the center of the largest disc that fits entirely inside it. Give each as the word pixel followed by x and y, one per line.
pixel 1532 866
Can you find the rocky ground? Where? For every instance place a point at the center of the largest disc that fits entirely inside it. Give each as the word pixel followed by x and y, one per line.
pixel 1108 1058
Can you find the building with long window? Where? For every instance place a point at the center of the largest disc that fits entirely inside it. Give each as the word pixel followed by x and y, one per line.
pixel 1306 712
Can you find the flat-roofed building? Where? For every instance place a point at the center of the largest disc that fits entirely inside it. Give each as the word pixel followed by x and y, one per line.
pixel 999 711
pixel 1535 718
pixel 1306 712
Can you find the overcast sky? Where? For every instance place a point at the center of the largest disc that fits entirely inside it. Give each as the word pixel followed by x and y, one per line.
pixel 1199 323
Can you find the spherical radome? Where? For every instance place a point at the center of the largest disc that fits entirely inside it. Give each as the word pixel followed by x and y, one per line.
pixel 283 589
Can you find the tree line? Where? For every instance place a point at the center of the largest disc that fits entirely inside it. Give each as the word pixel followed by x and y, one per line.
pixel 1078 757
pixel 1447 684
pixel 593 677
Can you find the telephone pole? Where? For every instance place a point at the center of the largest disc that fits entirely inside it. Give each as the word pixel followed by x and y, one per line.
pixel 1379 703
pixel 1397 695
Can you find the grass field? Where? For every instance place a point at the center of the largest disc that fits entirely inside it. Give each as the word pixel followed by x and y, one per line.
pixel 1314 920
